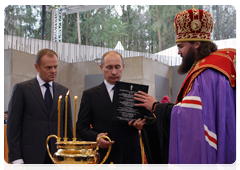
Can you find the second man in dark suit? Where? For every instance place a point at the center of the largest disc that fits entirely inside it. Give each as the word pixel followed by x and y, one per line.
pixel 97 109
pixel 33 113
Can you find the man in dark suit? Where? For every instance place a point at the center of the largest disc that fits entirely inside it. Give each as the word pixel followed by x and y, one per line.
pixel 97 109
pixel 33 113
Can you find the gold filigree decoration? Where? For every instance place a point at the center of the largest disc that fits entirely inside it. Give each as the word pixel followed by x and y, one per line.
pixel 182 18
pixel 195 12
pixel 207 22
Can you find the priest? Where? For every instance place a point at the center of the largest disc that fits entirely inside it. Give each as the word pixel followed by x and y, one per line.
pixel 200 127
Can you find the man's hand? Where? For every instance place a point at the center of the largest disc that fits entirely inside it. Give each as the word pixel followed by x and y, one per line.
pixel 19 167
pixel 138 123
pixel 146 99
pixel 102 142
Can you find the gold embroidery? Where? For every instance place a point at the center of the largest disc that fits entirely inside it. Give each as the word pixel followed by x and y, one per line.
pixel 197 64
pixel 221 70
pixel 207 22
pixel 112 165
pixel 198 68
pixel 193 36
pixel 228 49
pixel 182 18
pixel 195 12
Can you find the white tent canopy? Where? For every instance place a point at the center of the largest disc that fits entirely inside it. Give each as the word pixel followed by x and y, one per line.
pixel 119 46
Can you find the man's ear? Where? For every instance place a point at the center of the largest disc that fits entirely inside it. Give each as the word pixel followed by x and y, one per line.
pixel 123 65
pixel 197 44
pixel 101 67
pixel 36 67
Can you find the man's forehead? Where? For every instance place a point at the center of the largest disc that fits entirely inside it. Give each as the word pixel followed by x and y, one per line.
pixel 181 43
pixel 112 58
pixel 112 55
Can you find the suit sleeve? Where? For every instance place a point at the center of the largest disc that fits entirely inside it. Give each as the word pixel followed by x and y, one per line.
pixel 14 127
pixel 84 120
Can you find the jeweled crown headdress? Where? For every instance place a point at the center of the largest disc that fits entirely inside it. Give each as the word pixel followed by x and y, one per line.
pixel 193 25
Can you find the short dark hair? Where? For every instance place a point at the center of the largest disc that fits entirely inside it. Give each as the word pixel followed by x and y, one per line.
pixel 43 52
pixel 109 52
pixel 205 49
pixel 5 112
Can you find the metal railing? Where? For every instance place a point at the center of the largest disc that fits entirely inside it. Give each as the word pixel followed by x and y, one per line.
pixel 72 53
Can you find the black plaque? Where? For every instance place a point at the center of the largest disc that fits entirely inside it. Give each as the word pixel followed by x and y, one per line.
pixel 125 109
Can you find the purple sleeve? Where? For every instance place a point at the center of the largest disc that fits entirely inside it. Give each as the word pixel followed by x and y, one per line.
pixel 203 125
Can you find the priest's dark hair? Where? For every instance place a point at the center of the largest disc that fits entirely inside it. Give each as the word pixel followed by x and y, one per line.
pixel 205 49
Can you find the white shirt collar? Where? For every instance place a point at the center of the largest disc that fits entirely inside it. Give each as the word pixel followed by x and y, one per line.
pixel 41 82
pixel 108 86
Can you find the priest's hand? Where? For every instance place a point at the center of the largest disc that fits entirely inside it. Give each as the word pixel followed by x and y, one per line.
pixel 146 99
pixel 102 142
pixel 19 167
pixel 138 123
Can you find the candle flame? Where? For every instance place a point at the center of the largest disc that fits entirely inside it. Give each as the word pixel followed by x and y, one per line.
pixel 75 97
pixel 60 96
pixel 68 92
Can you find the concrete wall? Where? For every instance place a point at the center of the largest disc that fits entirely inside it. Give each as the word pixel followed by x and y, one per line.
pixel 7 76
pixel 177 81
pixel 152 68
pixel 19 66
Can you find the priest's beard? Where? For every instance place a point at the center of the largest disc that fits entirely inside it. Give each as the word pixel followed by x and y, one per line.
pixel 187 61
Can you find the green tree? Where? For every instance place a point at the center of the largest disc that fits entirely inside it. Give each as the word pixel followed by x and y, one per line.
pixel 224 19
pixel 144 28
pixel 21 20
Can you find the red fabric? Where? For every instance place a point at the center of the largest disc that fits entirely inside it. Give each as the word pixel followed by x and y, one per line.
pixel 221 60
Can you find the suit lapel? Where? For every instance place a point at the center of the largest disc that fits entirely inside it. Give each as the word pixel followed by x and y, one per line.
pixel 103 93
pixel 34 86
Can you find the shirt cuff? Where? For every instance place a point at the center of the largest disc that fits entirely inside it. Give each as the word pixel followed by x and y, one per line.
pixel 18 161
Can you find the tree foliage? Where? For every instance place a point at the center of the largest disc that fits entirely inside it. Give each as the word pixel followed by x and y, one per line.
pixel 144 28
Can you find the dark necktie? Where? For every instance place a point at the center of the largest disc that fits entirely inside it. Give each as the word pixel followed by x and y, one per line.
pixel 48 98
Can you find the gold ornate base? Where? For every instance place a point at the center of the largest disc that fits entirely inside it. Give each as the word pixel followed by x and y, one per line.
pixel 77 152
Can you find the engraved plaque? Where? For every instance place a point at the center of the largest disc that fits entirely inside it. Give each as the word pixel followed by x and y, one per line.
pixel 125 109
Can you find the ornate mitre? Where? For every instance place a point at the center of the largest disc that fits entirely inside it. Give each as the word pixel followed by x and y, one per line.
pixel 193 25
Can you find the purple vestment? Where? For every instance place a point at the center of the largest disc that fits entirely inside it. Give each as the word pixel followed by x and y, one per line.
pixel 203 124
